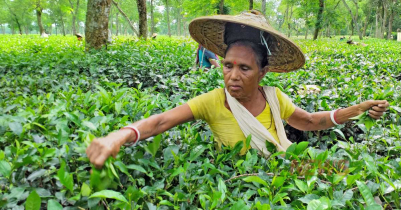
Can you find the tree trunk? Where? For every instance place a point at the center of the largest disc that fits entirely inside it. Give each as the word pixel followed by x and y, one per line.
pixel 74 13
pixel 319 20
pixel 377 28
pixel 97 23
pixel 221 7
pixel 15 18
pixel 390 21
pixel 184 26
pixel 306 32
pixel 168 19
pixel 39 17
pixel 111 19
pixel 264 7
pixel 352 27
pixel 384 20
pixel 328 30
pixel 354 17
pixel 127 18
pixel 117 23
pixel 289 21
pixel 371 29
pixel 365 26
pixel 62 25
pixel 143 26
pixel 178 22
pixel 250 4
pixel 152 18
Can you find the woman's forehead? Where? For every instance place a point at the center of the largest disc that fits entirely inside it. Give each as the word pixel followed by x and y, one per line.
pixel 240 54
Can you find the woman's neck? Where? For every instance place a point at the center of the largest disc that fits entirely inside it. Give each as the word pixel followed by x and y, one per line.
pixel 251 100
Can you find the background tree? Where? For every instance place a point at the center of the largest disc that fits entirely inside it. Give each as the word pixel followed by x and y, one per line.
pixel 130 23
pixel 167 8
pixel 74 4
pixel 97 23
pixel 38 9
pixel 143 29
pixel 319 19
pixel 59 10
pixel 354 15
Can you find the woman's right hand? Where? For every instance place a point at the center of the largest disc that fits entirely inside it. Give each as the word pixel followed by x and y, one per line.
pixel 102 148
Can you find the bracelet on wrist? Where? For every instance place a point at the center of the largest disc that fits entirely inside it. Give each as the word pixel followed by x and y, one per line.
pixel 333 117
pixel 137 135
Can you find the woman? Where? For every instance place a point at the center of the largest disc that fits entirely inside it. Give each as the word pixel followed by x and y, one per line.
pixel 250 48
pixel 205 58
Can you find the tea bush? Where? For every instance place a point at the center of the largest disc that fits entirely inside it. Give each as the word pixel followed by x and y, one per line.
pixel 55 99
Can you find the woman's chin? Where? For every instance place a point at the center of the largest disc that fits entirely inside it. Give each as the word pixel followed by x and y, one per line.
pixel 235 94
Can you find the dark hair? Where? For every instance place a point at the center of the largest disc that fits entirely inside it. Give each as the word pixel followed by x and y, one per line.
pixel 259 51
pixel 243 35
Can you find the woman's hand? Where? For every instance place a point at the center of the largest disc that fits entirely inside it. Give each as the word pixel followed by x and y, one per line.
pixel 102 148
pixel 376 108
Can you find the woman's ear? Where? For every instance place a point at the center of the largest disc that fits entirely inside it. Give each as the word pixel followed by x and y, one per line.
pixel 263 72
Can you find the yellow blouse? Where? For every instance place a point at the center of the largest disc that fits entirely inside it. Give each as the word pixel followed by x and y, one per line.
pixel 210 107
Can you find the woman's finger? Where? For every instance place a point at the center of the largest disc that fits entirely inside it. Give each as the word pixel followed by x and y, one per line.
pixel 94 155
pixel 90 150
pixel 379 108
pixel 385 104
pixel 99 161
pixel 374 114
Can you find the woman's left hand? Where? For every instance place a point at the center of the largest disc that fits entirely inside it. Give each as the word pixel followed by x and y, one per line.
pixel 376 108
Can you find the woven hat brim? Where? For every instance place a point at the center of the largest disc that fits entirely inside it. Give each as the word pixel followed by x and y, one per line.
pixel 209 31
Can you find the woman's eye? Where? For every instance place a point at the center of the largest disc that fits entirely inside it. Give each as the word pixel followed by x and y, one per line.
pixel 228 65
pixel 244 68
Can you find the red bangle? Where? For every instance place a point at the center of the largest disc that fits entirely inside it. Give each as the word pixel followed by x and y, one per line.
pixel 136 135
pixel 335 119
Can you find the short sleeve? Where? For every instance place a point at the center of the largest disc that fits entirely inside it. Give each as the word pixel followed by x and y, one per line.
pixel 201 105
pixel 287 108
pixel 209 55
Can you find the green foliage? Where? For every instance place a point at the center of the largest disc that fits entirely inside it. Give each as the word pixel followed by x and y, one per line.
pixel 33 201
pixel 55 99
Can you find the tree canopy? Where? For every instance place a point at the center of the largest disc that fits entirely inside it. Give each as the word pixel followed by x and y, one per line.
pixel 316 18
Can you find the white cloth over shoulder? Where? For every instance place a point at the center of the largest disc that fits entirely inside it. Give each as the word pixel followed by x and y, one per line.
pixel 250 125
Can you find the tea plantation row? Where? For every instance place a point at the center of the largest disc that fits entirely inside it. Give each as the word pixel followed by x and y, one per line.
pixel 55 99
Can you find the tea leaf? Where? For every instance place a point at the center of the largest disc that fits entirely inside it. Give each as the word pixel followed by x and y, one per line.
pixel 33 201
pixel 109 194
pixel 154 146
pixel 256 179
pixel 367 195
pixel 54 205
pixel 5 168
pixel 64 177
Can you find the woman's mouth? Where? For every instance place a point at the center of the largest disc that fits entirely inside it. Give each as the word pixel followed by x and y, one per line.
pixel 235 87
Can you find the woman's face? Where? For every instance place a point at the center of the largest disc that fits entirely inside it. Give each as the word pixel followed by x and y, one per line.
pixel 241 72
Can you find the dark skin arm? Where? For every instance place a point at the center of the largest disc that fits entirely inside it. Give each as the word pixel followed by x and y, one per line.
pixel 214 62
pixel 102 148
pixel 305 121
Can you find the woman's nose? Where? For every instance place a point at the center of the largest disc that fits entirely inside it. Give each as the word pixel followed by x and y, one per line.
pixel 235 74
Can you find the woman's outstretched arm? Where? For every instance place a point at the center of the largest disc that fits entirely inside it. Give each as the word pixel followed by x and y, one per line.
pixel 102 148
pixel 305 121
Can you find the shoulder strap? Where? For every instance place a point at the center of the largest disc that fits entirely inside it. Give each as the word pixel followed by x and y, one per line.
pixel 250 125
pixel 274 104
